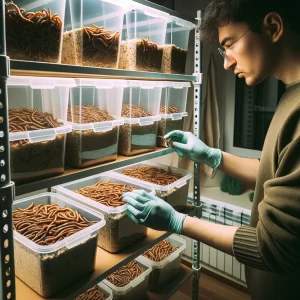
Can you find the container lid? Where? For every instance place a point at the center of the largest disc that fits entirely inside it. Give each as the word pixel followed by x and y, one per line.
pixel 100 83
pixel 41 135
pixel 106 289
pixel 145 84
pixel 174 116
pixel 177 85
pixel 175 241
pixel 40 82
pixel 151 12
pixel 98 126
pixel 183 23
pixel 68 242
pixel 144 121
pixel 123 3
pixel 186 175
pixel 138 280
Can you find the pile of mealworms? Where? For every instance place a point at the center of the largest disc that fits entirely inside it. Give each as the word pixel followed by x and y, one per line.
pixel 97 39
pixel 152 174
pixel 33 32
pixel 125 274
pixel 160 251
pixel 87 114
pixel 170 110
pixel 134 111
pixel 48 224
pixel 107 193
pixel 92 294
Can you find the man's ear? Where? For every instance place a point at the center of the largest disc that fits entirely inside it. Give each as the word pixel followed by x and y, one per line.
pixel 274 27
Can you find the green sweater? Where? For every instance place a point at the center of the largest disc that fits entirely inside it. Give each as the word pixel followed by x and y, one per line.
pixel 270 248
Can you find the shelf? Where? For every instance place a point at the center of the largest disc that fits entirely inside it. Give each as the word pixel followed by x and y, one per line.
pixel 27 68
pixel 184 275
pixel 74 174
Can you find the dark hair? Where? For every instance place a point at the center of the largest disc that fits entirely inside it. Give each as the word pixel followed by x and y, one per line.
pixel 219 13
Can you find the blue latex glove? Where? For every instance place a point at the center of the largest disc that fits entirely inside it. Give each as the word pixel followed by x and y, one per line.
pixel 187 143
pixel 146 209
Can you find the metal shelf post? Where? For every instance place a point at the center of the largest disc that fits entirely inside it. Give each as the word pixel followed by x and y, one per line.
pixel 197 131
pixel 7 273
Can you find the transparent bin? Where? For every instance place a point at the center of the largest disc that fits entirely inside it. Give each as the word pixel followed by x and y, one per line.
pixel 49 269
pixel 176 46
pixel 172 109
pixel 138 134
pixel 143 36
pixel 102 288
pixel 175 193
pixel 34 37
pixel 93 32
pixel 95 142
pixel 136 289
pixel 37 153
pixel 119 231
pixel 164 271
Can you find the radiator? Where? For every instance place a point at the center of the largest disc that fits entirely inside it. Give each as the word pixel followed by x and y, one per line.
pixel 224 264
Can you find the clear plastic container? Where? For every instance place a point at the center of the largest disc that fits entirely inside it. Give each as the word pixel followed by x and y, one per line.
pixel 138 134
pixel 37 154
pixel 143 36
pixel 136 289
pixel 164 271
pixel 172 109
pixel 97 142
pixel 104 289
pixel 176 46
pixel 49 269
pixel 93 32
pixel 35 37
pixel 175 193
pixel 119 231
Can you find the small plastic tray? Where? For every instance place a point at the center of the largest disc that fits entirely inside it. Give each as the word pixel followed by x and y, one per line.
pixel 175 193
pixel 104 289
pixel 48 269
pixel 36 40
pixel 94 143
pixel 164 271
pixel 136 289
pixel 119 231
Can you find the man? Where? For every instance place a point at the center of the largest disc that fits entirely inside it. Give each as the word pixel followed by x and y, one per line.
pixel 259 38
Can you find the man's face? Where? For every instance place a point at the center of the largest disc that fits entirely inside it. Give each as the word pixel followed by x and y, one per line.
pixel 250 55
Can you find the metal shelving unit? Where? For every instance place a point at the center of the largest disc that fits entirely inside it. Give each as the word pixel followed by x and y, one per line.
pixel 106 262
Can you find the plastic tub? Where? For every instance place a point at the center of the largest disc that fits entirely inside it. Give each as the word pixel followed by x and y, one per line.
pixel 172 109
pixel 102 288
pixel 38 38
pixel 119 231
pixel 176 46
pixel 143 37
pixel 175 193
pixel 138 134
pixel 136 289
pixel 93 32
pixel 49 269
pixel 164 271
pixel 38 153
pixel 95 142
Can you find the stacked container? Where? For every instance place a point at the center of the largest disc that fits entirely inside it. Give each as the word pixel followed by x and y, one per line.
pixel 93 32
pixel 119 231
pixel 176 46
pixel 165 270
pixel 136 289
pixel 49 269
pixel 35 152
pixel 93 143
pixel 175 193
pixel 138 134
pixel 143 37
pixel 34 29
pixel 172 109
pixel 103 289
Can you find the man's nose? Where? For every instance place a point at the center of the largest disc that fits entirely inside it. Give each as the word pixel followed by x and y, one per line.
pixel 229 63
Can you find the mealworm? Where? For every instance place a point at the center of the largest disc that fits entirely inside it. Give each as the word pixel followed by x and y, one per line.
pixel 160 251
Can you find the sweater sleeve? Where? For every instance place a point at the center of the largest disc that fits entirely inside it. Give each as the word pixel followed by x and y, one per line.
pixel 274 245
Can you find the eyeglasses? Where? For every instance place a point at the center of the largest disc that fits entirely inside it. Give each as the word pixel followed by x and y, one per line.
pixel 223 53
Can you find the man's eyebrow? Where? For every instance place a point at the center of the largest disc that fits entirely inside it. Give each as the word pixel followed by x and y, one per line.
pixel 225 40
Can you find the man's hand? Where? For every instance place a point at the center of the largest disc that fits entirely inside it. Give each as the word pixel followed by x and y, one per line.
pixel 153 212
pixel 187 143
